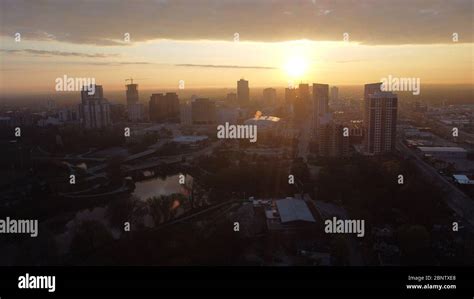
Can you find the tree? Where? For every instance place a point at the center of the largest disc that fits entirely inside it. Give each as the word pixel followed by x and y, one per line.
pixel 340 250
pixel 414 244
pixel 121 210
pixel 114 168
pixel 89 236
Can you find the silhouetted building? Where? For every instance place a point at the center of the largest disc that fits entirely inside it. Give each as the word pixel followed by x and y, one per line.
pixel 98 92
pixel 134 108
pixel 290 97
pixel 302 106
pixel 164 107
pixel 320 102
pixel 94 109
pixel 303 93
pixel 231 98
pixel 380 121
pixel 334 93
pixel 331 139
pixel 243 92
pixel 230 115
pixel 118 113
pixel 70 114
pixel 186 114
pixel 356 132
pixel 269 96
pixel 203 112
pixel 132 93
pixel 371 88
pixel 135 112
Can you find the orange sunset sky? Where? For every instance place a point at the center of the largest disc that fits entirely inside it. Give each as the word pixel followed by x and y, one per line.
pixel 215 43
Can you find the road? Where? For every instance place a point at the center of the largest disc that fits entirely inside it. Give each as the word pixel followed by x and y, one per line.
pixel 459 202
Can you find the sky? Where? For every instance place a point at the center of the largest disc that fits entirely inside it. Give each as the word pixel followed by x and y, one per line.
pixel 215 43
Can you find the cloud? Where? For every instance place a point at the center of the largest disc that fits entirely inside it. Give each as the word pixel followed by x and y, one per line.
pixel 350 60
pixel 367 21
pixel 115 63
pixel 55 53
pixel 227 66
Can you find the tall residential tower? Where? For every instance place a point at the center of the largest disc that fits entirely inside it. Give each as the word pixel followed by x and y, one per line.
pixel 243 92
pixel 134 108
pixel 380 120
pixel 94 110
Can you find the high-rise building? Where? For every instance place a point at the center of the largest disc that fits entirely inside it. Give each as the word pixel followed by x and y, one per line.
pixel 303 93
pixel 320 99
pixel 302 106
pixel 186 113
pixel 290 96
pixel 135 112
pixel 132 93
pixel 243 92
pixel 227 115
pixel 331 139
pixel 164 107
pixel 69 114
pixel 203 111
pixel 134 108
pixel 118 113
pixel 334 93
pixel 269 96
pixel 98 92
pixel 94 109
pixel 320 104
pixel 231 98
pixel 371 88
pixel 380 120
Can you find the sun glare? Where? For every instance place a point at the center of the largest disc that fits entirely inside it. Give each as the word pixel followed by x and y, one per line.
pixel 296 66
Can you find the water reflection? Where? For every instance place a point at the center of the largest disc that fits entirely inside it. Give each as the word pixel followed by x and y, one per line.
pixel 82 166
pixel 155 200
pixel 158 186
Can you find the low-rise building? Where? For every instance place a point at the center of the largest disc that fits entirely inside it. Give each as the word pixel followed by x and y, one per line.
pixel 463 179
pixel 444 152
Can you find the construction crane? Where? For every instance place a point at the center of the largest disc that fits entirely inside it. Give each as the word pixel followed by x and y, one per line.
pixel 131 79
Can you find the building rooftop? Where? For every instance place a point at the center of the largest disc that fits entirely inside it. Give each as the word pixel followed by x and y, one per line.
pixel 189 139
pixel 263 121
pixel 441 149
pixel 294 210
pixel 463 179
pixel 265 118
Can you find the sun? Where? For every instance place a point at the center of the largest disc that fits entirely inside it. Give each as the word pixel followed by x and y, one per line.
pixel 296 66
